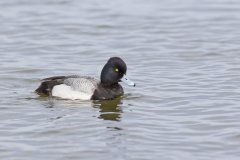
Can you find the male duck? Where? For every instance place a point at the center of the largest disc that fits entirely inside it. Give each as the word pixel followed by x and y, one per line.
pixel 86 88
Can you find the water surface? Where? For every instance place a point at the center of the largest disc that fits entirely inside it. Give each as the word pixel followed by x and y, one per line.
pixel 183 56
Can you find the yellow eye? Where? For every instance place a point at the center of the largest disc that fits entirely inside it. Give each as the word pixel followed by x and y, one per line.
pixel 116 69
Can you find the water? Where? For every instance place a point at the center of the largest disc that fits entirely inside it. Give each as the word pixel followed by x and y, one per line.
pixel 183 56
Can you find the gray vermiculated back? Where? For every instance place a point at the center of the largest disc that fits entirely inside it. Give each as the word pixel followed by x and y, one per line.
pixel 82 83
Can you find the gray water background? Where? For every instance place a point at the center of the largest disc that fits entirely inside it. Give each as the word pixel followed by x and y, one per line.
pixel 183 55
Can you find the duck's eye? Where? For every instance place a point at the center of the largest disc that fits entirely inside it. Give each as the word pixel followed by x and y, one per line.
pixel 116 69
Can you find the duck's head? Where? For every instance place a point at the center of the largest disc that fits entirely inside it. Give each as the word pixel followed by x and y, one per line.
pixel 114 71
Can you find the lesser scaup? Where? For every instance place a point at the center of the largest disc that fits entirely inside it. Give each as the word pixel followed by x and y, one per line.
pixel 88 88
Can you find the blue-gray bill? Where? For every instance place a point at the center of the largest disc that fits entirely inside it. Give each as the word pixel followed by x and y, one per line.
pixel 126 80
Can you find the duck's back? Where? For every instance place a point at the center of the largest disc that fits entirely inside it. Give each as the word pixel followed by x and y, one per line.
pixel 69 87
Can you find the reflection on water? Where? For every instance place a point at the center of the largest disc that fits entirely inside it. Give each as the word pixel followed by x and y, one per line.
pixel 109 109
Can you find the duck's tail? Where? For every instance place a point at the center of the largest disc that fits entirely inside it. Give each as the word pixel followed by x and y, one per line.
pixel 46 87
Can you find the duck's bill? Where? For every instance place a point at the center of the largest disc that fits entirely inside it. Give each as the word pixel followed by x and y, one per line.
pixel 126 80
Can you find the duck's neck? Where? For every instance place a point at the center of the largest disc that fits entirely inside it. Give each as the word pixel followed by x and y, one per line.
pixel 109 85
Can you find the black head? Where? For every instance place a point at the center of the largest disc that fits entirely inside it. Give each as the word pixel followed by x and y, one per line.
pixel 113 71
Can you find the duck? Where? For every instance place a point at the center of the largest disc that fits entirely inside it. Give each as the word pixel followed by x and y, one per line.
pixel 88 88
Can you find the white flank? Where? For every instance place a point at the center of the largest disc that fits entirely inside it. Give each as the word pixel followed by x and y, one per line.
pixel 66 92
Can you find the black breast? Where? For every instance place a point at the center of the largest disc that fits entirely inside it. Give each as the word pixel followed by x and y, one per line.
pixel 107 92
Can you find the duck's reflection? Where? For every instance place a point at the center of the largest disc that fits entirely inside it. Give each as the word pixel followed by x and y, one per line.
pixel 109 109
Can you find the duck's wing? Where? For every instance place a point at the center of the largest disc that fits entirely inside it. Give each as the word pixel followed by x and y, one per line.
pixel 82 84
pixel 60 78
